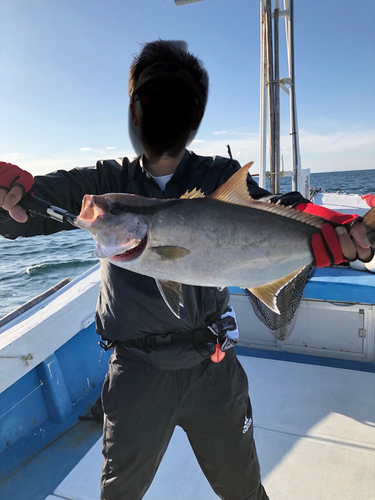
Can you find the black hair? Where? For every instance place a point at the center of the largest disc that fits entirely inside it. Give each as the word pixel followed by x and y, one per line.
pixel 169 51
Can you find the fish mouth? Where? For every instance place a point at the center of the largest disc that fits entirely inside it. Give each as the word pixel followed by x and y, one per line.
pixel 131 254
pixel 90 211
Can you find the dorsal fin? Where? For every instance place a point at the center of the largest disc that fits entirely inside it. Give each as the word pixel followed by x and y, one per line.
pixel 235 191
pixel 195 193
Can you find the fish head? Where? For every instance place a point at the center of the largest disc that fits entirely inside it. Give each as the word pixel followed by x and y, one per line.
pixel 118 229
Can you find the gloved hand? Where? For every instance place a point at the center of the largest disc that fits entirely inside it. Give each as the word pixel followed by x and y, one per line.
pixel 347 242
pixel 326 247
pixel 15 183
pixel 226 331
pixel 226 328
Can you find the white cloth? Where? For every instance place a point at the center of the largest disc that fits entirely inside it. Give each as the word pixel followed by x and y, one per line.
pixel 161 180
pixel 362 266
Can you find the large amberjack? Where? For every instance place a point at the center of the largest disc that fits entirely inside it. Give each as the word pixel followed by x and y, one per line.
pixel 225 239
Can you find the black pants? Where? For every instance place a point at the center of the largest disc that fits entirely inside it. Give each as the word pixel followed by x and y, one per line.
pixel 142 405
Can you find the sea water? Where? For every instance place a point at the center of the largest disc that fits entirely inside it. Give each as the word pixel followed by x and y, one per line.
pixel 29 266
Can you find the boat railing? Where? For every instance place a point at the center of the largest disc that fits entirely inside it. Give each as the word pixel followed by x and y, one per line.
pixel 30 336
pixel 31 303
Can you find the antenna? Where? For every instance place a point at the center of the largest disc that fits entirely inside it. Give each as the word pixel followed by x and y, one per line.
pixel 185 2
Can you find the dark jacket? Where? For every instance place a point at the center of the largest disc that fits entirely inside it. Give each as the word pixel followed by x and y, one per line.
pixel 130 305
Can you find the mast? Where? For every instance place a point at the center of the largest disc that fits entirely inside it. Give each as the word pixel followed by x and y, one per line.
pixel 270 79
pixel 296 159
pixel 270 84
pixel 276 97
pixel 263 102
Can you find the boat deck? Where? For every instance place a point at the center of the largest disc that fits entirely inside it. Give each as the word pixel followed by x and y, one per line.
pixel 315 436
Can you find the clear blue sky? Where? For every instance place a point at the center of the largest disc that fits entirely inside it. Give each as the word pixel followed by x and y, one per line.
pixel 64 71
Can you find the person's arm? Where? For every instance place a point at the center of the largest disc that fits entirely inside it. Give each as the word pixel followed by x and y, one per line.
pixel 64 189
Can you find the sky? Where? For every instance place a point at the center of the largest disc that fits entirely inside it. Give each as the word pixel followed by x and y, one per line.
pixel 64 72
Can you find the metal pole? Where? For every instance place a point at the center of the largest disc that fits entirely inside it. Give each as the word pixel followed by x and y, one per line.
pixel 276 87
pixel 296 175
pixel 263 101
pixel 270 82
pixel 296 161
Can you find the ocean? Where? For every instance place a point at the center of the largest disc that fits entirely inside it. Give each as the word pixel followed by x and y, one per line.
pixel 29 266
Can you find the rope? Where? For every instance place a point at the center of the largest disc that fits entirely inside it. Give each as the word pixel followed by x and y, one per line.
pixel 27 358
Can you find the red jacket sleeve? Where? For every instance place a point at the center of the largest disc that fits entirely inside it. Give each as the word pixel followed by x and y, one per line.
pixel 326 213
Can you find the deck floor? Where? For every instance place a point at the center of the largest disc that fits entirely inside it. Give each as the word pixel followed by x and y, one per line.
pixel 315 436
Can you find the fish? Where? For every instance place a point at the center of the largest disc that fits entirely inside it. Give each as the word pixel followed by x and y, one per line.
pixel 226 239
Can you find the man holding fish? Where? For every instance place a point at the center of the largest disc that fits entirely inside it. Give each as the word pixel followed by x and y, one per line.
pixel 176 230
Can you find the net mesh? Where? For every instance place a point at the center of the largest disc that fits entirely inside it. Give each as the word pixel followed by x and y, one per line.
pixel 288 300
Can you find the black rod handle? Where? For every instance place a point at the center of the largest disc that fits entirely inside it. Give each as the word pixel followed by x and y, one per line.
pixel 35 204
pixel 42 207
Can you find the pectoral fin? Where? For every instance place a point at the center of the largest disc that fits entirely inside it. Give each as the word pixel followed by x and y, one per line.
pixel 171 291
pixel 268 293
pixel 170 252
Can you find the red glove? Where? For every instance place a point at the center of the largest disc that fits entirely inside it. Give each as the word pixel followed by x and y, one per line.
pixel 11 175
pixel 370 199
pixel 325 245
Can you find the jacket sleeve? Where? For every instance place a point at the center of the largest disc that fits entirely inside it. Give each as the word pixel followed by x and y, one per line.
pixel 64 189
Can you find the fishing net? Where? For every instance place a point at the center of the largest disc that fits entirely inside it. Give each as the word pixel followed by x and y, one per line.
pixel 288 300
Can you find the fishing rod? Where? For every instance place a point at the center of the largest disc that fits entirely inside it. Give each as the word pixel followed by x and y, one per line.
pixel 38 206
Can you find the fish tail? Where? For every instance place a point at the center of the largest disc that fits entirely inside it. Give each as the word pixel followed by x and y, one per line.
pixel 369 222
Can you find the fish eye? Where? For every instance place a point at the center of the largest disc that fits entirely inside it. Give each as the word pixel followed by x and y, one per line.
pixel 116 209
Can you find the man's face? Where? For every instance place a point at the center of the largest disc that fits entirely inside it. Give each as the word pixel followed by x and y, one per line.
pixel 166 112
